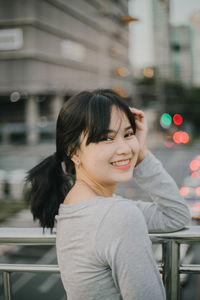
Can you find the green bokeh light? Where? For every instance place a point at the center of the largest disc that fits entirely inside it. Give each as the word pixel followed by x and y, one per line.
pixel 165 120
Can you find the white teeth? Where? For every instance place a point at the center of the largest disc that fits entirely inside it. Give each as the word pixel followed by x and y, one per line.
pixel 121 163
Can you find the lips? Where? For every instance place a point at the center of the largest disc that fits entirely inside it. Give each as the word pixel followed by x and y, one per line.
pixel 122 164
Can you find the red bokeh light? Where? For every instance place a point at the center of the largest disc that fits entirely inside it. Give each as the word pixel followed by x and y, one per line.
pixel 177 119
pixel 181 137
pixel 195 174
pixel 198 191
pixel 184 190
pixel 169 144
pixel 176 137
pixel 195 164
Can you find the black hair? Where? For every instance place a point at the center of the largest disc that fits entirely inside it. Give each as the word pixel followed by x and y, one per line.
pixel 51 180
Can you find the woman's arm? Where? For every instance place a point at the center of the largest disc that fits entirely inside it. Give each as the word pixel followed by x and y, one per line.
pixel 141 132
pixel 168 210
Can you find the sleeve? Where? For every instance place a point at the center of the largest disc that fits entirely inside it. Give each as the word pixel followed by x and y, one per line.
pixel 167 210
pixel 122 242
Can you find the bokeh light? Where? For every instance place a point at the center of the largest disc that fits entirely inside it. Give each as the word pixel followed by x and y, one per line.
pixel 165 120
pixel 195 174
pixel 168 144
pixel 177 119
pixel 181 137
pixel 195 164
pixel 184 190
pixel 198 191
pixel 122 71
pixel 148 72
pixel 15 96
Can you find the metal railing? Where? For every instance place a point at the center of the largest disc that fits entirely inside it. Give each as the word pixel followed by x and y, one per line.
pixel 170 268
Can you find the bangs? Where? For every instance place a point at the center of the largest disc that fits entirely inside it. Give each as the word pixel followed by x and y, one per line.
pixel 99 114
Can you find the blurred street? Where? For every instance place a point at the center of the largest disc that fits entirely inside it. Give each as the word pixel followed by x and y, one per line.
pixel 175 160
pixel 145 51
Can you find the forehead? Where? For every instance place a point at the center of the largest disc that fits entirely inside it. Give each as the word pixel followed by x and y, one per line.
pixel 118 118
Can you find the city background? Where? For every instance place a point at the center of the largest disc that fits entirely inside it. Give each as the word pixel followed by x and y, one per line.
pixel 148 51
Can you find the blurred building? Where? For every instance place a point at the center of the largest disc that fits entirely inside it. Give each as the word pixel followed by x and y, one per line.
pixel 50 49
pixel 185 49
pixel 195 25
pixel 181 54
pixel 161 30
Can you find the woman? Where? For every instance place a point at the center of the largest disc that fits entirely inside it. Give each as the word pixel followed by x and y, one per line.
pixel 103 247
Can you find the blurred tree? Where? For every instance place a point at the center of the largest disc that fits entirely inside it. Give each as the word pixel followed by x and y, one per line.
pixel 192 106
pixel 146 90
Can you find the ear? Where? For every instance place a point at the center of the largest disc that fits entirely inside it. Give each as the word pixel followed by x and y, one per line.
pixel 76 157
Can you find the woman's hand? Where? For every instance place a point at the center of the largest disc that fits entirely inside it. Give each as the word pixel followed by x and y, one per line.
pixel 141 132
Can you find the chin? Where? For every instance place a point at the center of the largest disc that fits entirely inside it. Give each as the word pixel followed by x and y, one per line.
pixel 125 177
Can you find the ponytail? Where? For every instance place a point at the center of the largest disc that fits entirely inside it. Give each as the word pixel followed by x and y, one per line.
pixel 49 186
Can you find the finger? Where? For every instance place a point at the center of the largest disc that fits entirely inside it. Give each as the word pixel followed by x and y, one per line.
pixel 139 117
pixel 139 124
pixel 136 111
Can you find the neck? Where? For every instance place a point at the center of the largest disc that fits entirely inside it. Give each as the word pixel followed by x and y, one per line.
pixel 98 189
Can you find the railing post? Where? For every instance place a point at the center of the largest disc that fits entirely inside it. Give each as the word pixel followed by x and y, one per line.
pixel 7 285
pixel 166 268
pixel 171 260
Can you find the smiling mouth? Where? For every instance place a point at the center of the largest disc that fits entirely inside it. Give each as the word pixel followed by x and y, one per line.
pixel 121 163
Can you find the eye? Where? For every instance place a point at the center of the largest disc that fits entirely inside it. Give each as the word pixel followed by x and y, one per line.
pixel 107 138
pixel 129 134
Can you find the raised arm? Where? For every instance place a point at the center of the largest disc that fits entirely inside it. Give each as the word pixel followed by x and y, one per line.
pixel 167 210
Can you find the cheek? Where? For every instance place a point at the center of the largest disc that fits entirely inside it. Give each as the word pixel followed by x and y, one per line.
pixel 135 145
pixel 93 156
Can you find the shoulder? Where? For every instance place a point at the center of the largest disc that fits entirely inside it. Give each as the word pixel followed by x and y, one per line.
pixel 122 215
pixel 126 207
pixel 118 207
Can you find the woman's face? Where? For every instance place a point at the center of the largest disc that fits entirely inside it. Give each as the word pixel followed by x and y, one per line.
pixel 111 160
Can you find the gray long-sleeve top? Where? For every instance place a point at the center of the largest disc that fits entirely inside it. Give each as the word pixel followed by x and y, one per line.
pixel 103 247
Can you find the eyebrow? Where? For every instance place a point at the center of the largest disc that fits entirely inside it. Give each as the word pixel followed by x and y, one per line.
pixel 113 131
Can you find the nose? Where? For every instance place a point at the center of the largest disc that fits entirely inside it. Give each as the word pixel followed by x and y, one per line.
pixel 123 147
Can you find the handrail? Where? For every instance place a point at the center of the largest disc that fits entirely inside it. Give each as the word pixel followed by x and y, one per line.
pixel 27 236
pixel 170 267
